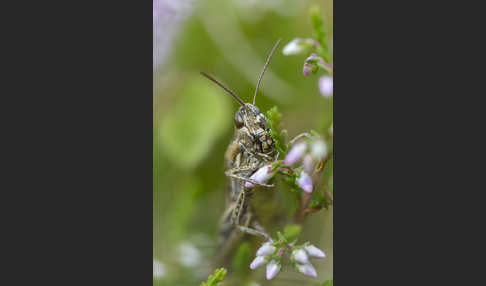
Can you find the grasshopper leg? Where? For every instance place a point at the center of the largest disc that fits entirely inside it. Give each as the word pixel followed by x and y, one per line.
pixel 231 174
pixel 235 218
pixel 253 232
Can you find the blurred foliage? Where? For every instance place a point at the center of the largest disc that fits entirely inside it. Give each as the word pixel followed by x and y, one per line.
pixel 193 125
pixel 213 280
pixel 327 283
pixel 319 32
pixel 242 259
pixel 194 122
pixel 292 231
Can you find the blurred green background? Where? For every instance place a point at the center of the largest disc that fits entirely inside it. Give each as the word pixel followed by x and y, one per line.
pixel 193 124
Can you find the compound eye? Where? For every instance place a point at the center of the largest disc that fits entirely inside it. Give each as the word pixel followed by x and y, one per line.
pixel 238 120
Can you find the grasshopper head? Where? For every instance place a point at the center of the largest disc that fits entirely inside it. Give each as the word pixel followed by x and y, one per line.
pixel 250 122
pixel 253 123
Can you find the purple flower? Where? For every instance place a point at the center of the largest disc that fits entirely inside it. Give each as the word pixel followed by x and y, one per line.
pixel 272 269
pixel 300 256
pixel 307 69
pixel 308 163
pixel 168 16
pixel 326 86
pixel 266 249
pixel 295 153
pixel 307 269
pixel 257 262
pixel 313 58
pixel 261 175
pixel 305 182
pixel 314 251
pixel 313 63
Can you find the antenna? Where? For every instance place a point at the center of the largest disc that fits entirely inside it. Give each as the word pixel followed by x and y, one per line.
pixel 224 87
pixel 264 69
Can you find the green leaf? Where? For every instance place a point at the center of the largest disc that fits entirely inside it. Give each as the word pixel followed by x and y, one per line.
pixel 242 259
pixel 274 118
pixel 315 133
pixel 319 201
pixel 292 231
pixel 290 201
pixel 281 237
pixel 214 280
pixel 327 283
pixel 319 32
pixel 284 136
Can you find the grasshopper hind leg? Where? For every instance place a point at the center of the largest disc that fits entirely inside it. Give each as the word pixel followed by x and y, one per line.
pixel 235 218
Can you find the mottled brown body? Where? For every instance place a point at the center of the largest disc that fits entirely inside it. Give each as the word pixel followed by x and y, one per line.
pixel 251 148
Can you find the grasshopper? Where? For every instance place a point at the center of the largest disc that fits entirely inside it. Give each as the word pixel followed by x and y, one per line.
pixel 252 147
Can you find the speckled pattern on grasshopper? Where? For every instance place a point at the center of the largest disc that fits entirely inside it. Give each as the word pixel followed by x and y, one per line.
pixel 252 147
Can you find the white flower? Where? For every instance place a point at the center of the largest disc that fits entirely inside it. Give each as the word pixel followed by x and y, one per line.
pixel 319 150
pixel 272 269
pixel 307 269
pixel 314 251
pixel 294 155
pixel 266 249
pixel 326 86
pixel 305 182
pixel 261 175
pixel 300 256
pixel 294 47
pixel 257 262
pixel 189 255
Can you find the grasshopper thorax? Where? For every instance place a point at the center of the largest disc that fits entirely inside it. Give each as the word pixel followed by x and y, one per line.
pixel 251 123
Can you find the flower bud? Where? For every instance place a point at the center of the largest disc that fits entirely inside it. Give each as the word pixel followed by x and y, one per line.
pixel 326 86
pixel 272 269
pixel 257 262
pixel 308 164
pixel 314 251
pixel 307 69
pixel 294 155
pixel 319 149
pixel 261 175
pixel 305 182
pixel 310 64
pixel 307 269
pixel 300 256
pixel 297 46
pixel 266 249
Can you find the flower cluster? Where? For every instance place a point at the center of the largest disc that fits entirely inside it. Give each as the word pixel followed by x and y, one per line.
pixel 309 152
pixel 263 256
pixel 300 259
pixel 320 59
pixel 272 253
